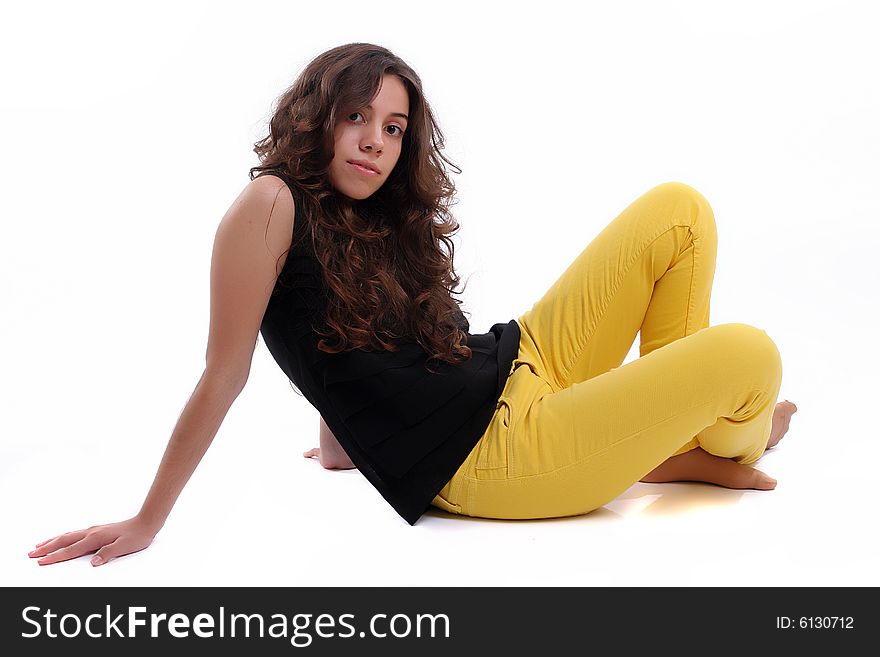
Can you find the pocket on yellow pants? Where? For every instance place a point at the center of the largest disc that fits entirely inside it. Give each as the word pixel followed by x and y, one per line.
pixel 493 453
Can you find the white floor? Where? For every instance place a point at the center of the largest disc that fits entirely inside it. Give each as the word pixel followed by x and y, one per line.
pixel 257 513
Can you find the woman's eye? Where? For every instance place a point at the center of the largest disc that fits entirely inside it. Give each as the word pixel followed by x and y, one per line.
pixel 396 134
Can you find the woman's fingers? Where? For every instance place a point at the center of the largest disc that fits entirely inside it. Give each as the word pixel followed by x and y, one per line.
pixel 81 547
pixel 107 552
pixel 53 544
pixel 54 538
pixel 117 548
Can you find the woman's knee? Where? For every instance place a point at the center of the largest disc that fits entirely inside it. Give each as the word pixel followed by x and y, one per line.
pixel 680 189
pixel 694 201
pixel 744 341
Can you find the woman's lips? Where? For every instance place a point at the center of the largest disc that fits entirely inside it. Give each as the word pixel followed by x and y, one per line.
pixel 364 170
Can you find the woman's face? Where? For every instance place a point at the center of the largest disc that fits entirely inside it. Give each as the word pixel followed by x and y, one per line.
pixel 374 135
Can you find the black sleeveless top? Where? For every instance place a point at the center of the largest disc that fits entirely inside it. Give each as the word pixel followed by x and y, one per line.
pixel 406 429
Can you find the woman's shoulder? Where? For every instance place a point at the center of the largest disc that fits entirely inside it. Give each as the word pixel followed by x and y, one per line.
pixel 272 188
pixel 270 181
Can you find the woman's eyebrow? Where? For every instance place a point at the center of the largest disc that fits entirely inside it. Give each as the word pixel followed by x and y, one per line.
pixel 403 116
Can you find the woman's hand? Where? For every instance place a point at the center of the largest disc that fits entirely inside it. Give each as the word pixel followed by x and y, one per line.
pixel 110 541
pixel 330 465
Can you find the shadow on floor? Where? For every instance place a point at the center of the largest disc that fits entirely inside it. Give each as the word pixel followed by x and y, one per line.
pixel 672 498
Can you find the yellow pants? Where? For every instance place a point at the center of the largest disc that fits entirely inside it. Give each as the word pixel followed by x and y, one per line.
pixel 574 428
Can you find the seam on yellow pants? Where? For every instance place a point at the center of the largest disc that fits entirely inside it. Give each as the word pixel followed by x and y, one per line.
pixel 613 290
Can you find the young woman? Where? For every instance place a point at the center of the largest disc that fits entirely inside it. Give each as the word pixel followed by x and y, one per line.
pixel 333 252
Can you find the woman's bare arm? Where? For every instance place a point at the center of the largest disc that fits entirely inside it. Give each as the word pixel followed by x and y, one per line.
pixel 255 231
pixel 193 434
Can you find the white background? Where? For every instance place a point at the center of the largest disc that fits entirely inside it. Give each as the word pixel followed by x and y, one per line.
pixel 127 131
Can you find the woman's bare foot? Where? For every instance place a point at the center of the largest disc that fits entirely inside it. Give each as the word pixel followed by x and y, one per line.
pixel 699 465
pixel 781 417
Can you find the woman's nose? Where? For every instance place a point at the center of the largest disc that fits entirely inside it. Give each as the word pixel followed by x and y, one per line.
pixel 374 141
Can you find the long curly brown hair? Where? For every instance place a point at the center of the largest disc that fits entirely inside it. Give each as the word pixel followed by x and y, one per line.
pixel 382 257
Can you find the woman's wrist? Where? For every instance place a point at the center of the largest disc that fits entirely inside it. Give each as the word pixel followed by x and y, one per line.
pixel 151 522
pixel 332 454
